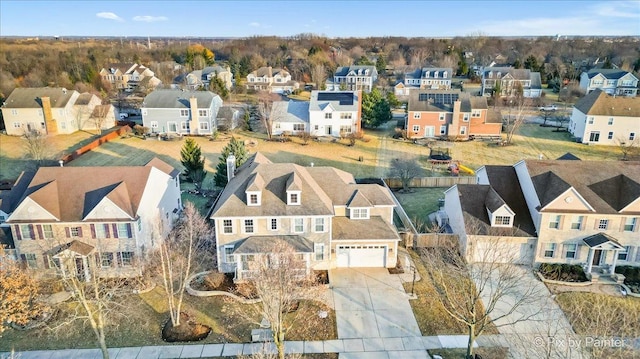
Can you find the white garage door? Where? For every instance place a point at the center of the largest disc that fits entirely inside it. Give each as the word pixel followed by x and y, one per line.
pixel 516 253
pixel 362 256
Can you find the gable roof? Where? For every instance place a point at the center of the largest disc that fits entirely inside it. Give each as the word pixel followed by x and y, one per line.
pixel 568 157
pixel 29 97
pixel 322 188
pixel 290 111
pixel 264 244
pixel 611 74
pixel 345 70
pixel 338 100
pixel 599 103
pixel 176 98
pixel 595 181
pixel 70 193
pixel 504 181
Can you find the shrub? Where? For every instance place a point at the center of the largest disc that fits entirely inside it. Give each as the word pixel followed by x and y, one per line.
pixel 631 274
pixel 563 272
pixel 213 280
pixel 140 130
pixel 246 290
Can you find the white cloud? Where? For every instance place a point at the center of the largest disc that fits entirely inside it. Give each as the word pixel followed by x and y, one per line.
pixel 109 16
pixel 624 9
pixel 148 18
pixel 254 24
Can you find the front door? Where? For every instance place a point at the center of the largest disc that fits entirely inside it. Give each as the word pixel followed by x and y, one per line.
pixel 328 130
pixel 596 257
pixel 80 268
pixel 429 131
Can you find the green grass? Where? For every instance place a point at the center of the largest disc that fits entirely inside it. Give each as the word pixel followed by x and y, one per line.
pixel 420 202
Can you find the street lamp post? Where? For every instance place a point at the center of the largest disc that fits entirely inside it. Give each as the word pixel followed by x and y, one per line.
pixel 413 283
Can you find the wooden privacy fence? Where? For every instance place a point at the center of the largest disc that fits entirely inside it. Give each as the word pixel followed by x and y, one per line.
pixel 430 181
pixel 95 143
pixel 424 240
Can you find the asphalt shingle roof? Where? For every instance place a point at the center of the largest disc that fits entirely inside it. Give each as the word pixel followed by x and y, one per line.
pixel 29 97
pixel 599 103
pixel 290 111
pixel 176 98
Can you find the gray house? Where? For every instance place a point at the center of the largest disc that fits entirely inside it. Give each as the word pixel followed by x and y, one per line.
pixel 182 112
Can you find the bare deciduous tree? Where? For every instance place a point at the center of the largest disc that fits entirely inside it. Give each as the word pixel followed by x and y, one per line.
pixel 517 111
pixel 280 281
pixel 628 148
pixel 482 294
pixel 318 75
pixel 180 254
pixel 405 169
pixel 265 108
pixel 99 117
pixel 18 294
pixel 36 145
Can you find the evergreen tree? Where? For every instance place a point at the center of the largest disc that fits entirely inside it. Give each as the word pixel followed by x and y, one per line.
pixel 531 63
pixel 381 65
pixel 192 160
pixel 375 109
pixel 239 151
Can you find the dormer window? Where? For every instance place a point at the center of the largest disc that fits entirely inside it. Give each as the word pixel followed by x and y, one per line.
pixel 359 213
pixel 254 198
pixel 253 191
pixel 293 198
pixel 502 221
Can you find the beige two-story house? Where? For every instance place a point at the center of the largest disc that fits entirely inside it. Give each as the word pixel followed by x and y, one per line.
pixel 510 81
pixel 272 80
pixel 322 213
pixel 128 76
pixel 80 219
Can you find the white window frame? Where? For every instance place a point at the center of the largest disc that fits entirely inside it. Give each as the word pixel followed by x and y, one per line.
pixel 227 254
pixel 549 247
pixel 153 124
pixel 296 127
pixel 226 226
pixel 475 113
pixel 106 259
pixel 122 230
pixel 126 258
pixel 258 197
pixel 184 113
pixel 441 116
pixel 28 232
pixel 603 224
pixel 75 232
pixel 294 225
pixel 630 224
pixel 272 222
pixel 632 136
pixel 345 129
pixel 203 113
pixel 416 128
pixel 318 251
pixel 17 125
pixel 416 115
pixel 319 222
pixel 203 126
pixel 185 126
pixel 31 259
pixel 498 221
pixel 291 195
pixel 579 221
pixel 624 255
pixel 554 221
pixel 590 120
pixel 249 225
pixel 610 121
pixel 47 231
pixel 443 129
pixel 359 213
pixel 568 249
pixel 610 135
pixel 465 117
pixel 328 116
pixel 463 130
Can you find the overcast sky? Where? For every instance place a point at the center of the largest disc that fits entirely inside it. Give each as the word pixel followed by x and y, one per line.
pixel 330 18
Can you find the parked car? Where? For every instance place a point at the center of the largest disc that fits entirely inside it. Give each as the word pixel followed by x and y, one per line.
pixel 124 115
pixel 548 108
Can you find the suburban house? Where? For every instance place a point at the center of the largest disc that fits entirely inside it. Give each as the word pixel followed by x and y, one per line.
pixel 433 113
pixel 353 78
pixel 228 118
pixel 582 212
pixel 599 118
pixel 491 218
pixel 128 76
pixel 202 78
pixel 431 78
pixel 511 80
pixel 54 110
pixel 290 117
pixel 611 81
pixel 323 213
pixel 181 112
pixel 273 80
pixel 78 219
pixel 335 114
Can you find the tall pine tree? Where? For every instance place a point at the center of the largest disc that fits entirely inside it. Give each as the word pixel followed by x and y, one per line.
pixel 193 161
pixel 239 151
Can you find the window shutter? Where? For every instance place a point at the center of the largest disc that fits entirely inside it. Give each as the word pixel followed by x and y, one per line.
pixel 578 249
pixel 623 220
pixel 115 230
pixel 67 231
pixel 106 230
pixel 80 232
pixel 40 234
pixel 129 230
pixel 32 232
pixel 24 259
pixel 563 254
pixel 17 230
pixel 46 261
pixel 630 253
pixel 119 258
pixel 98 261
pixel 93 231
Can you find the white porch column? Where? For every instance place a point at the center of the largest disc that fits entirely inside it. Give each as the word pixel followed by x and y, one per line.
pixel 85 263
pixel 615 260
pixel 590 260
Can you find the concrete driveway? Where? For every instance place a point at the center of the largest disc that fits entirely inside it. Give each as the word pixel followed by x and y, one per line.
pixel 371 303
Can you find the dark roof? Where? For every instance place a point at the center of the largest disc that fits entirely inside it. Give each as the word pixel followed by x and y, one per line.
pixel 568 157
pixel 504 181
pixel 175 98
pixel 344 98
pixel 9 200
pixel 607 73
pixel 265 244
pixel 601 238
pixel 595 181
pixel 599 103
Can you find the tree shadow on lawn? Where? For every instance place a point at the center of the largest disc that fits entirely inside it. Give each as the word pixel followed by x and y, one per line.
pixel 358 169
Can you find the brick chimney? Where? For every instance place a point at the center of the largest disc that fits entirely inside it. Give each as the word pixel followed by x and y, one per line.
pixel 49 122
pixel 454 126
pixel 195 122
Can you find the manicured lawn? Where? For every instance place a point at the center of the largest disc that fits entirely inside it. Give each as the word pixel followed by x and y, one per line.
pixel 420 202
pixel 139 322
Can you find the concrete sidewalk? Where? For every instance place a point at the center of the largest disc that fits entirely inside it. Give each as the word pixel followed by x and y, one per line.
pixel 391 348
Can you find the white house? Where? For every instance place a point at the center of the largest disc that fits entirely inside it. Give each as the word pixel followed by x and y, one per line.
pixel 273 80
pixel 202 78
pixel 510 81
pixel 611 81
pixel 54 110
pixel 432 78
pixel 181 112
pixel 353 78
pixel 603 119
pixel 334 113
pixel 81 219
pixel 290 117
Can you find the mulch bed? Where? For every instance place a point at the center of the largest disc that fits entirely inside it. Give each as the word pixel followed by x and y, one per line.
pixel 187 331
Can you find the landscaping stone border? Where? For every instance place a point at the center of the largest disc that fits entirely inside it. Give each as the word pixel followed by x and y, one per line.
pixel 586 284
pixel 211 293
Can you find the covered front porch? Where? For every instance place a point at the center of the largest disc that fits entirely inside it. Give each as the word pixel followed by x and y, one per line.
pixel 72 259
pixel 603 255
